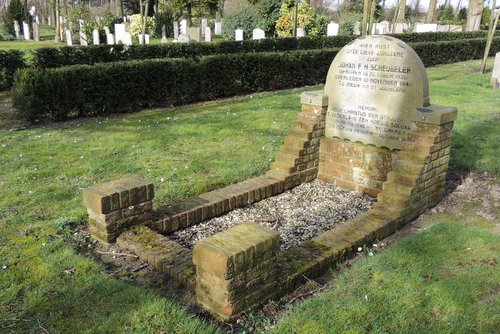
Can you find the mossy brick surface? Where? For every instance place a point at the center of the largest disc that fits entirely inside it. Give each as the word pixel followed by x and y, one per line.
pixel 236 250
pixel 118 194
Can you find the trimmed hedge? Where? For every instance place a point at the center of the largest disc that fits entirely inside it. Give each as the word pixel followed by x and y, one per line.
pixel 64 56
pixel 10 61
pixel 121 87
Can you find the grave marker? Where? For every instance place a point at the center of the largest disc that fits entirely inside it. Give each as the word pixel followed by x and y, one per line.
pixel 183 38
pixel 332 29
pixel 176 29
pixel 204 24
pixel 208 34
pixel 218 28
pixel 36 32
pixel 301 32
pixel 375 86
pixel 194 33
pixel 164 34
pixel 26 31
pixel 17 29
pixel 238 35
pixel 495 75
pixel 425 27
pixel 183 26
pixel 127 38
pixel 258 33
pixel 69 39
pixel 120 30
pixel 110 39
pixel 95 37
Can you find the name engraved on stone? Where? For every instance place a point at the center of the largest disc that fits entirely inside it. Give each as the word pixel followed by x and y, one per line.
pixel 375 85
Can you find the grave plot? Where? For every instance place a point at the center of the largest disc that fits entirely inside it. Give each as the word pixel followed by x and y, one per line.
pixel 372 130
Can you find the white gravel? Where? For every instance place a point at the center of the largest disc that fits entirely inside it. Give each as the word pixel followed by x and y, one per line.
pixel 298 214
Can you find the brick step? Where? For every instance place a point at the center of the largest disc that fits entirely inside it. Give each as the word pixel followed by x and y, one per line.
pixel 403 178
pixel 283 167
pixel 300 133
pixel 397 188
pixel 165 255
pixel 407 167
pixel 288 159
pixel 413 156
pixel 307 125
pixel 296 142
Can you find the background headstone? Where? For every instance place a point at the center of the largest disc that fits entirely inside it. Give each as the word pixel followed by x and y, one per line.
pixel 183 26
pixel 69 39
pixel 127 38
pixel 110 39
pixel 356 30
pixel 218 28
pixel 17 29
pixel 120 30
pixel 36 32
pixel 332 29
pixel 95 37
pixel 176 29
pixel 204 24
pixel 495 75
pixel 164 39
pixel 107 31
pixel 258 33
pixel 426 27
pixel 375 85
pixel 208 34
pixel 301 32
pixel 194 33
pixel 238 35
pixel 183 38
pixel 26 31
pixel 147 39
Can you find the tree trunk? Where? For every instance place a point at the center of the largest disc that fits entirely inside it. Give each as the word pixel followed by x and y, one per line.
pixel 189 15
pixel 119 8
pixel 431 12
pixel 58 21
pixel 366 11
pixel 491 33
pixel 372 16
pixel 474 15
pixel 402 11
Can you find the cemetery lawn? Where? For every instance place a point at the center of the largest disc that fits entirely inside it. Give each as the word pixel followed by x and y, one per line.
pixel 442 279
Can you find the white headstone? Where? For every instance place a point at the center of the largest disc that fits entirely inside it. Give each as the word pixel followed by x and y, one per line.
pixel 495 75
pixel 164 39
pixel 183 26
pixel 69 40
pixel 258 33
pixel 176 29
pixel 375 86
pixel 332 29
pixel 147 39
pixel 17 29
pixel 218 28
pixel 120 30
pixel 238 35
pixel 95 37
pixel 107 31
pixel 26 31
pixel 36 32
pixel 194 33
pixel 83 39
pixel 425 27
pixel 356 30
pixel 204 24
pixel 301 32
pixel 127 38
pixel 49 20
pixel 140 37
pixel 208 34
pixel 183 38
pixel 456 28
pixel 110 39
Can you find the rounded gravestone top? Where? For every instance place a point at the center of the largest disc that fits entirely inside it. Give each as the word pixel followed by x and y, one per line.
pixel 375 85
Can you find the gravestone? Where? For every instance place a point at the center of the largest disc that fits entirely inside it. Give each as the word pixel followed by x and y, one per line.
pixel 127 38
pixel 17 29
pixel 258 33
pixel 194 33
pixel 238 35
pixel 401 28
pixel 375 86
pixel 204 24
pixel 183 26
pixel 332 29
pixel 495 75
pixel 208 34
pixel 120 30
pixel 36 32
pixel 301 32
pixel 95 37
pixel 426 27
pixel 69 39
pixel 176 29
pixel 26 31
pixel 110 39
pixel 147 39
pixel 356 30
pixel 183 38
pixel 164 34
pixel 218 28
pixel 49 20
pixel 107 31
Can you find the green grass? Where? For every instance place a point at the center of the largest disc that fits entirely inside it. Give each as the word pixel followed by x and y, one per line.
pixel 195 149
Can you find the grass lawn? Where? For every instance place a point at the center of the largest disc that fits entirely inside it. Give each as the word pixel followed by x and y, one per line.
pixel 418 284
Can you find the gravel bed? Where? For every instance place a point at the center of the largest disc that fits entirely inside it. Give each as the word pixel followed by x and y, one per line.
pixel 298 214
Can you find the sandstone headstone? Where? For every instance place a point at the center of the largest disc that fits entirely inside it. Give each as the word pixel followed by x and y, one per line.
pixel 110 39
pixel 301 32
pixel 208 34
pixel 36 32
pixel 69 39
pixel 356 30
pixel 17 29
pixel 183 26
pixel 204 24
pixel 258 33
pixel 238 35
pixel 194 33
pixel 218 28
pixel 183 38
pixel 26 31
pixel 426 27
pixel 375 85
pixel 164 35
pixel 332 29
pixel 95 37
pixel 495 76
pixel 176 29
pixel 456 28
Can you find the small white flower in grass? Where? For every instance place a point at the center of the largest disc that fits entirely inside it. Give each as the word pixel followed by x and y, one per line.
pixel 3 145
pixel 263 147
pixel 366 297
pixel 20 155
pixel 4 267
pixel 162 180
pixel 370 254
pixel 131 207
pixel 30 192
pixel 360 249
pixel 375 245
pixel 76 233
pixel 81 156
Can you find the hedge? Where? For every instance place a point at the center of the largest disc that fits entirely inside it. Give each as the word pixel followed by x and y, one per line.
pixel 121 87
pixel 74 55
pixel 10 61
